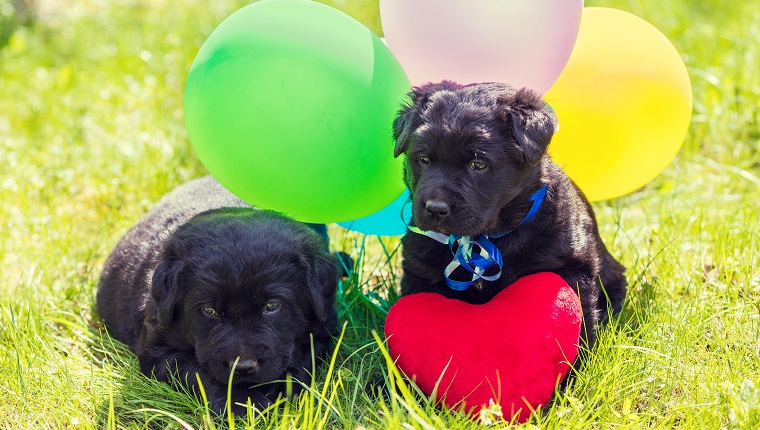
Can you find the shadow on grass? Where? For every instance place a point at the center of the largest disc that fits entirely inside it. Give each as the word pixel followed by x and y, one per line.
pixel 14 14
pixel 131 398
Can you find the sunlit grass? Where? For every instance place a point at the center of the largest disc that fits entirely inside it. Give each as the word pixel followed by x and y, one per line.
pixel 91 135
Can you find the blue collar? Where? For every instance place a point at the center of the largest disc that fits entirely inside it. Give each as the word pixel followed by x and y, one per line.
pixel 487 254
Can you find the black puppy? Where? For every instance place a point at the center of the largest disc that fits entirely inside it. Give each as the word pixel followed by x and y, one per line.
pixel 484 187
pixel 204 284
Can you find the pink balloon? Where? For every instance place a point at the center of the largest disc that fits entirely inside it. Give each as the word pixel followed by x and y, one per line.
pixel 519 42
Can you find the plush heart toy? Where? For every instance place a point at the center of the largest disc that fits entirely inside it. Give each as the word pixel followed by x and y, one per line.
pixel 514 349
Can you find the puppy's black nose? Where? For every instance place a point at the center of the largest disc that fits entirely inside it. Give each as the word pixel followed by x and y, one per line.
pixel 437 208
pixel 245 365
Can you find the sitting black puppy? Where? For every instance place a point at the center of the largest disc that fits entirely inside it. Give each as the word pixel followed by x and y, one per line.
pixel 204 284
pixel 488 204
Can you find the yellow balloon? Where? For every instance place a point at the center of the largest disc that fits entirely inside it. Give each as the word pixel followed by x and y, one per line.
pixel 623 103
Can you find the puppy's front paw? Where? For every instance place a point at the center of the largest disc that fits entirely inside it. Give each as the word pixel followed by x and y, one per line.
pixel 242 400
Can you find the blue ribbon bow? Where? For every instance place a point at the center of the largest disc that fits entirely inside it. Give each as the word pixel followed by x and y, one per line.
pixel 477 254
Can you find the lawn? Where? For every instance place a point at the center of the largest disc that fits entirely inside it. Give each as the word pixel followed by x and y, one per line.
pixel 92 134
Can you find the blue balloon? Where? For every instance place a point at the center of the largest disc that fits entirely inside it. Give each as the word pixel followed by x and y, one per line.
pixel 389 221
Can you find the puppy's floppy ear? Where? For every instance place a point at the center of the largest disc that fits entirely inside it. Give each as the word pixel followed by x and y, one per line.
pixel 323 282
pixel 407 118
pixel 532 121
pixel 402 126
pixel 165 291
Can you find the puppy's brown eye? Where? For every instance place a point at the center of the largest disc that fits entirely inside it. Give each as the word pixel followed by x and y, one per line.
pixel 478 165
pixel 272 307
pixel 208 310
pixel 423 160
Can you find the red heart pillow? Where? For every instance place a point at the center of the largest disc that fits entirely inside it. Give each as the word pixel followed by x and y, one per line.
pixel 513 349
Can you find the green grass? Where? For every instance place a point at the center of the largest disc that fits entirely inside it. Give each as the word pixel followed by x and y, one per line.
pixel 91 134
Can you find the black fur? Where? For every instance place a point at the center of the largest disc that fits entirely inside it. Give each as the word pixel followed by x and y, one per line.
pixel 202 249
pixel 474 156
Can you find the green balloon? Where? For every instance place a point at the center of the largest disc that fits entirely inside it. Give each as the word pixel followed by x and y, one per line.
pixel 289 104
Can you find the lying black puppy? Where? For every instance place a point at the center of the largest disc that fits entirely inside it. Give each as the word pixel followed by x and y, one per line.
pixel 488 204
pixel 204 283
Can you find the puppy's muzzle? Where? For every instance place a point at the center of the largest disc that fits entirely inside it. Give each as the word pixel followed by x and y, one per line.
pixel 437 209
pixel 245 365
